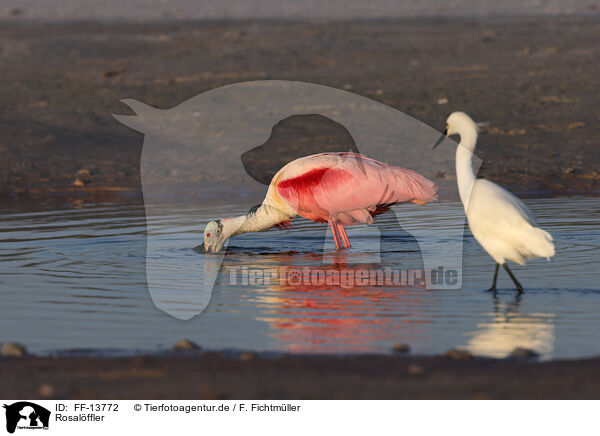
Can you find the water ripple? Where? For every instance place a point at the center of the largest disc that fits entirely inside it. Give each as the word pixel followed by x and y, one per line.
pixel 75 279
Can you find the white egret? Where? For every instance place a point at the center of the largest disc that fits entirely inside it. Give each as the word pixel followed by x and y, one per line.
pixel 499 221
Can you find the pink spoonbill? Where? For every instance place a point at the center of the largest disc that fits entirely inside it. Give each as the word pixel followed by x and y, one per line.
pixel 342 189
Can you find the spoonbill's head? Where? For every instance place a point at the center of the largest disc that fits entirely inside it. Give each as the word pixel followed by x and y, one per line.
pixel 214 237
pixel 459 123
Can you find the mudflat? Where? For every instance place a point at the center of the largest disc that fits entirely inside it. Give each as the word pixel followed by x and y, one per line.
pixel 213 375
pixel 532 81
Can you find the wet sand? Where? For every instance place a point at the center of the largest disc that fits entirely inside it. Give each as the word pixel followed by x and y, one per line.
pixel 218 376
pixel 534 80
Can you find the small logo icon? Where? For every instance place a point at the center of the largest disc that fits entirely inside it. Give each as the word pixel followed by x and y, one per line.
pixel 26 415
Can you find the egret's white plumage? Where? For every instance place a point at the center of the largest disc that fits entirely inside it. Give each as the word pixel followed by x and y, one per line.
pixel 499 221
pixel 504 226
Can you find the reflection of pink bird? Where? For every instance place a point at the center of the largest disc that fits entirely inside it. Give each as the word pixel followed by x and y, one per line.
pixel 340 188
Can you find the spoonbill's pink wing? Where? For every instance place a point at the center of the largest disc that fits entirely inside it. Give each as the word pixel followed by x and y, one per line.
pixel 348 186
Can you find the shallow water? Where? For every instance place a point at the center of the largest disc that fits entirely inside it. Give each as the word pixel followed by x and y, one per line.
pixel 75 278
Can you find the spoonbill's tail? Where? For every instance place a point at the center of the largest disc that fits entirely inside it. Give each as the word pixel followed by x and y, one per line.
pixel 424 190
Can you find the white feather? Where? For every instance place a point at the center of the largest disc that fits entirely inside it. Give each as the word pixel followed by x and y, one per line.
pixel 504 226
pixel 499 221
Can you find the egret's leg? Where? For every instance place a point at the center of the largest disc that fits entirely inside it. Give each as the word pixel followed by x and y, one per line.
pixel 493 288
pixel 336 236
pixel 514 279
pixel 343 235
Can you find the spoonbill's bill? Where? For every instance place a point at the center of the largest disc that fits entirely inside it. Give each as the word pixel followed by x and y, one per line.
pixel 500 222
pixel 342 189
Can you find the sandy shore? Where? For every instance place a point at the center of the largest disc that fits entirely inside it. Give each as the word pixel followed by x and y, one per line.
pixel 534 80
pixel 213 375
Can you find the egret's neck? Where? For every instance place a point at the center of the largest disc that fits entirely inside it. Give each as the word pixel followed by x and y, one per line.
pixel 263 218
pixel 464 165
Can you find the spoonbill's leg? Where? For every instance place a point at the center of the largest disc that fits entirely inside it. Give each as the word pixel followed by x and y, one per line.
pixel 343 235
pixel 493 288
pixel 336 236
pixel 514 279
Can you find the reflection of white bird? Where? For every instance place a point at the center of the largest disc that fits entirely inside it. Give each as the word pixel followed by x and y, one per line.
pixel 500 222
pixel 507 331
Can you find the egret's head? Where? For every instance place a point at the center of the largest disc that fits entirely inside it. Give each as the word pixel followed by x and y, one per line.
pixel 459 123
pixel 214 237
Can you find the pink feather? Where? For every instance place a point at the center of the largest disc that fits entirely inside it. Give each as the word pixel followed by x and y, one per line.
pixel 348 187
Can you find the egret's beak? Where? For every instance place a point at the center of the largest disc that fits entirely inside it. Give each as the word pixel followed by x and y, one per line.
pixel 439 141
